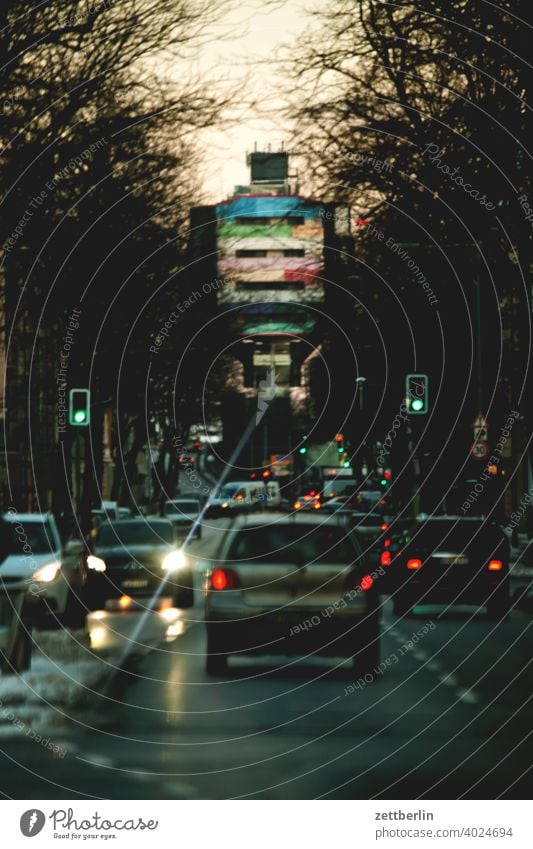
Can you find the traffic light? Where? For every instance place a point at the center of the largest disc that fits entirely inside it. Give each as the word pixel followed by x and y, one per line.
pixel 387 476
pixel 79 407
pixel 339 439
pixel 302 450
pixel 417 394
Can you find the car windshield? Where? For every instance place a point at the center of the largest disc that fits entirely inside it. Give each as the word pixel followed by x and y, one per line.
pixel 25 538
pixel 293 544
pixel 181 507
pixel 135 533
pixel 457 536
pixel 229 490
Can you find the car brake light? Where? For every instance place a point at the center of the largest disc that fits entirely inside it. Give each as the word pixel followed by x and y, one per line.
pixel 366 582
pixel 316 505
pixel 297 505
pixel 385 558
pixel 414 563
pixel 224 579
pixel 495 566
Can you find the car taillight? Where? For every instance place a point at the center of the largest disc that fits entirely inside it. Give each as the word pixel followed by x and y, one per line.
pixel 297 505
pixel 366 582
pixel 384 527
pixel 385 558
pixel 224 579
pixel 414 563
pixel 495 566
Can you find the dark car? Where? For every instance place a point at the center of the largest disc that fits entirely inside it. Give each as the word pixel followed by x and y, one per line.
pixel 184 513
pixel 451 560
pixel 131 557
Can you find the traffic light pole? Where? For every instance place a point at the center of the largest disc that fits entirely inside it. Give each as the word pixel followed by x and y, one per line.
pixel 416 469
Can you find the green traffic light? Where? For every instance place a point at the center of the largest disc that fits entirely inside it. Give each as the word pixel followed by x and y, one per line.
pixel 340 450
pixel 80 416
pixel 417 404
pixel 346 464
pixel 303 450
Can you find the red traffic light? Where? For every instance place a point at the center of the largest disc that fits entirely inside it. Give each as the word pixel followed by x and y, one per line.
pixel 339 437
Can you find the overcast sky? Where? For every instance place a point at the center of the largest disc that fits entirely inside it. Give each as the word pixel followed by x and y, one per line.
pixel 248 56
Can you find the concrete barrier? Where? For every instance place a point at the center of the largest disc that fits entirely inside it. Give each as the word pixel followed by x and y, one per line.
pixel 16 642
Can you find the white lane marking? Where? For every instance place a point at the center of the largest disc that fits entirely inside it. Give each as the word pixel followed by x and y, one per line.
pixel 183 791
pixel 98 760
pixel 420 655
pixel 467 696
pixel 448 679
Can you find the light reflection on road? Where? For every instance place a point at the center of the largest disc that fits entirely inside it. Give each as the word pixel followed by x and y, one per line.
pixel 110 632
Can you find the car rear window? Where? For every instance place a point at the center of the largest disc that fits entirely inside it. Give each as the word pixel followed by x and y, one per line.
pixel 138 533
pixel 457 537
pixel 294 544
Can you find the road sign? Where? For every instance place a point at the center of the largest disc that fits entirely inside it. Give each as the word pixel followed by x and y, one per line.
pixel 480 421
pixel 481 434
pixel 282 464
pixel 479 450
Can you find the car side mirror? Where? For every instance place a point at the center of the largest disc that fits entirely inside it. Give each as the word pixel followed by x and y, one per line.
pixel 74 547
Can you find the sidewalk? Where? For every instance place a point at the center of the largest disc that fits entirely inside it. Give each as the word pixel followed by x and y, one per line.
pixel 521 569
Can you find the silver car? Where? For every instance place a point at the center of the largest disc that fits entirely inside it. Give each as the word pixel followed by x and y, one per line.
pixel 291 584
pixel 31 551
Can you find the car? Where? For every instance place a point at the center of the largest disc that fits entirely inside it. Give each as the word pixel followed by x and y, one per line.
pixel 130 558
pixel 55 575
pixel 308 502
pixel 184 513
pixel 236 497
pixel 277 572
pixel 452 560
pixel 340 486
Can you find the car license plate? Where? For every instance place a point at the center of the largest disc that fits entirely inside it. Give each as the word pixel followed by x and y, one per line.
pixel 135 584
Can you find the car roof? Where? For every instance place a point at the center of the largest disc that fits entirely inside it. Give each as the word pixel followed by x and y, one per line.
pixel 37 518
pixel 454 519
pixel 180 498
pixel 148 520
pixel 272 518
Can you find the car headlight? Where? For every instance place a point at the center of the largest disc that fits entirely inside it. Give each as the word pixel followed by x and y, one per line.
pixel 224 504
pixel 47 573
pixel 96 563
pixel 174 561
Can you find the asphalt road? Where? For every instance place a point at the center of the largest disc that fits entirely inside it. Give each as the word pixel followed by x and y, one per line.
pixel 450 717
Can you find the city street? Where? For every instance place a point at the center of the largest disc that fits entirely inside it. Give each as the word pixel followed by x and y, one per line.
pixel 447 719
pixel 266 433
